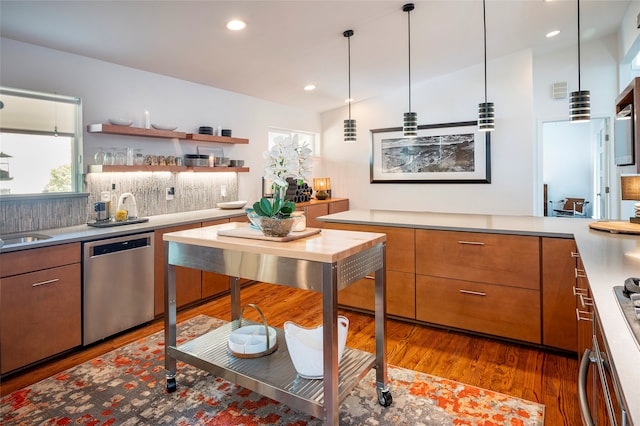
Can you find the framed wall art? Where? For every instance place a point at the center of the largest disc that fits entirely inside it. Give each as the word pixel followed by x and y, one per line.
pixel 441 153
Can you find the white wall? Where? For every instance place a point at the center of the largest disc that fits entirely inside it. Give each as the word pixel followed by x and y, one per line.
pixel 568 163
pixel 451 98
pixel 110 90
pixel 599 73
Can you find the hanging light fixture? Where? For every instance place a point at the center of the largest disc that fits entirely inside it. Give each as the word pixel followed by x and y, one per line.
pixel 349 124
pixel 486 117
pixel 410 122
pixel 580 101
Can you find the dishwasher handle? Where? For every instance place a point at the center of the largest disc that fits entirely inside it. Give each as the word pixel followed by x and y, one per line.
pixel 114 247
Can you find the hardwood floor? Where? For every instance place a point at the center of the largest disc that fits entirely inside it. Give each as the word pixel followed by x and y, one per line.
pixel 509 368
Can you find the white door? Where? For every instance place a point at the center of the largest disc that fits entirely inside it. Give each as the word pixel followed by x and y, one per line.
pixel 602 196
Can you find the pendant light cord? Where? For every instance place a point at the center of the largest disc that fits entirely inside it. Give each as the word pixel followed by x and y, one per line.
pixel 484 23
pixel 579 45
pixel 349 67
pixel 409 44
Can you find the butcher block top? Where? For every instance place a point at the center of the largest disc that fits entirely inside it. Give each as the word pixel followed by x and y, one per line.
pixel 328 246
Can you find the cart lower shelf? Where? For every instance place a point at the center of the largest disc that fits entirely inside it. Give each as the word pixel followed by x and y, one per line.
pixel 273 375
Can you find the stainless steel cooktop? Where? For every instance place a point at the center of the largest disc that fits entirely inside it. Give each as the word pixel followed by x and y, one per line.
pixel 629 313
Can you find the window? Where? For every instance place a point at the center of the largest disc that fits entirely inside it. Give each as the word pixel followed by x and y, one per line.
pixel 40 143
pixel 311 139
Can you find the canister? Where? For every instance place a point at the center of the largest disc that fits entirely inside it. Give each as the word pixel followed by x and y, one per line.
pixel 301 222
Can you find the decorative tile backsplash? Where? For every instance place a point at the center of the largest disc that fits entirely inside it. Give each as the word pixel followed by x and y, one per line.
pixel 192 191
pixel 32 214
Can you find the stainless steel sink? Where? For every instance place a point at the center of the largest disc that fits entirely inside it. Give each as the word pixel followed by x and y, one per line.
pixel 20 238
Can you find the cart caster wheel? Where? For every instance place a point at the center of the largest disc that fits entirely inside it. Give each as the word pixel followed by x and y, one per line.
pixel 172 386
pixel 384 397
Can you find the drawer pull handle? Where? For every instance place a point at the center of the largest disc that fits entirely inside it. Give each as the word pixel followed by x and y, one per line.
pixel 369 277
pixel 471 243
pixel 45 282
pixel 584 315
pixel 577 291
pixel 585 301
pixel 474 293
pixel 580 273
pixel 575 254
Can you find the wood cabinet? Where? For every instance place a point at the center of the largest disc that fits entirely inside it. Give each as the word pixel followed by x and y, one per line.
pixel 400 277
pixel 192 285
pixel 213 283
pixel 316 208
pixel 583 308
pixel 487 283
pixel 40 304
pixel 499 310
pixel 513 286
pixel 188 281
pixel 512 260
pixel 559 327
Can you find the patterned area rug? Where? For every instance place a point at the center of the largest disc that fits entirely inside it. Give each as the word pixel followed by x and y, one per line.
pixel 127 387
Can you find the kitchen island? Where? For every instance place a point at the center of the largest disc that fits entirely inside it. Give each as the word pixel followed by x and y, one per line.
pixel 608 260
pixel 324 262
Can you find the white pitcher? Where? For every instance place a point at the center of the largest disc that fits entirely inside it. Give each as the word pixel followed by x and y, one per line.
pixel 306 347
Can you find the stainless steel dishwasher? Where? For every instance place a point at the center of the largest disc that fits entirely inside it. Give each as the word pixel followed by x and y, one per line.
pixel 117 285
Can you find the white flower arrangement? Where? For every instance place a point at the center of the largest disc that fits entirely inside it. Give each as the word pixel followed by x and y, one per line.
pixel 287 159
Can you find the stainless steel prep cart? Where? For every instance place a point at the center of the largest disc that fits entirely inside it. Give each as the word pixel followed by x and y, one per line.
pixel 325 263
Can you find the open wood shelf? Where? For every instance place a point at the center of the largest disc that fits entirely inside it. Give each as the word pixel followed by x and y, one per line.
pixel 134 131
pixel 165 134
pixel 219 139
pixel 174 169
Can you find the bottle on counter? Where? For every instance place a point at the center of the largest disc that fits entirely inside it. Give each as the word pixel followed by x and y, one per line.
pixel 113 203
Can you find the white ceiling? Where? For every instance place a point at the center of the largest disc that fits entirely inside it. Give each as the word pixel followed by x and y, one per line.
pixel 288 44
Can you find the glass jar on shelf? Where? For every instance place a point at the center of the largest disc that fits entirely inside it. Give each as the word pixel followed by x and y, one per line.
pixel 138 157
pixel 98 157
pixel 109 157
pixel 120 158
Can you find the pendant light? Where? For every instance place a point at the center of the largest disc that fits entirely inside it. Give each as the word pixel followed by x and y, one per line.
pixel 580 101
pixel 410 122
pixel 486 117
pixel 349 124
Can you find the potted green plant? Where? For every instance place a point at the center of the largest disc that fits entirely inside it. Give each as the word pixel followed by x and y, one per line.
pixel 287 158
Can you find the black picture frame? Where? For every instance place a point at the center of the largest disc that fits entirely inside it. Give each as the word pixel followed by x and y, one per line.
pixel 441 153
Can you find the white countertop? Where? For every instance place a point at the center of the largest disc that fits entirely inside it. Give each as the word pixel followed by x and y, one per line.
pixel 608 260
pixel 85 232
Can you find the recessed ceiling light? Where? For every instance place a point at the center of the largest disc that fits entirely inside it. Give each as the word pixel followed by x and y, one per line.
pixel 553 33
pixel 236 25
pixel 309 87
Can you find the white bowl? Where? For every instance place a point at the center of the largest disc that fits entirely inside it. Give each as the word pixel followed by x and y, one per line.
pixel 163 127
pixel 251 340
pixel 120 122
pixel 232 205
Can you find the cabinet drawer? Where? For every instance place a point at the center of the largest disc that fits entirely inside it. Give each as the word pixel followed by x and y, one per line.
pixel 24 261
pixel 313 211
pixel 485 308
pixel 40 315
pixel 400 244
pixel 338 206
pixel 400 295
pixel 511 260
pixel 188 281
